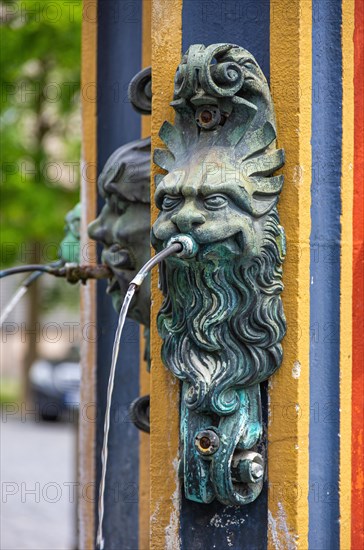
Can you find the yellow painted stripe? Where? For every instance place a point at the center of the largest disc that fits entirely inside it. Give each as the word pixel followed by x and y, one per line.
pixel 165 491
pixel 87 431
pixel 288 430
pixel 144 377
pixel 346 271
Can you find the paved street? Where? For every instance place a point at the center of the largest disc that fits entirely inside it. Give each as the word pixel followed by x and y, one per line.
pixel 37 491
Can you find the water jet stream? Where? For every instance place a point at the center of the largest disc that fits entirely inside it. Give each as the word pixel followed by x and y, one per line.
pixel 176 247
pixel 22 290
pixel 13 302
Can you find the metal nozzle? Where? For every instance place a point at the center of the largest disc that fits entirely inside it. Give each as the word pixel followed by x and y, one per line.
pixel 189 246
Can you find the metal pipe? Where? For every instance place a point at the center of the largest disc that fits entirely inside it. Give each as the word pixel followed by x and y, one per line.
pixel 72 272
pixel 25 269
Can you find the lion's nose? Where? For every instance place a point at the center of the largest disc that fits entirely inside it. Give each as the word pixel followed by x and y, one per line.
pixel 187 218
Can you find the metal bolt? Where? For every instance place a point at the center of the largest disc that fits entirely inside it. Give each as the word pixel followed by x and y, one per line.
pixel 257 470
pixel 206 116
pixel 247 467
pixel 207 442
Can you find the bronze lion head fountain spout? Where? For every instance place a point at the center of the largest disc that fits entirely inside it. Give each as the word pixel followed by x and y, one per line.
pixel 123 224
pixel 222 319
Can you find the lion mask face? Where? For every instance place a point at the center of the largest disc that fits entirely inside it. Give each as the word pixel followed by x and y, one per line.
pixel 213 197
pixel 222 320
pixel 123 225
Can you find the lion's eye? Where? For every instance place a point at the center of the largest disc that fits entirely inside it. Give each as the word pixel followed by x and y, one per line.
pixel 213 202
pixel 170 202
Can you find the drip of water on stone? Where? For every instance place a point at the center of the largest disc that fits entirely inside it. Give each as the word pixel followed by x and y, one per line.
pixel 174 248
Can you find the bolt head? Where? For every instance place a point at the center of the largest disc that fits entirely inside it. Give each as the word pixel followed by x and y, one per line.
pixel 257 470
pixel 207 442
pixel 208 116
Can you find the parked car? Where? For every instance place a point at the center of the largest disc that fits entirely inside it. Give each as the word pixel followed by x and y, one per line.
pixel 55 387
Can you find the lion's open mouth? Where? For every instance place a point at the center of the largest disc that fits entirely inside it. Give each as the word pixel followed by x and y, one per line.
pixel 122 264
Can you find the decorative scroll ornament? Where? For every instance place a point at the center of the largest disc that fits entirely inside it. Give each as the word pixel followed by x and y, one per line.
pixel 222 319
pixel 140 91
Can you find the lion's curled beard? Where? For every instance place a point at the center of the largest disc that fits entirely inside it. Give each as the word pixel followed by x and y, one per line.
pixel 223 323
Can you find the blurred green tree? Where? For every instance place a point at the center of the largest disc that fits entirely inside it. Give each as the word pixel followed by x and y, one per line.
pixel 40 125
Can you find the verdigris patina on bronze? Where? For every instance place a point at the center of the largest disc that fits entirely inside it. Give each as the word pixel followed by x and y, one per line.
pixel 123 224
pixel 69 249
pixel 222 319
pixel 123 228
